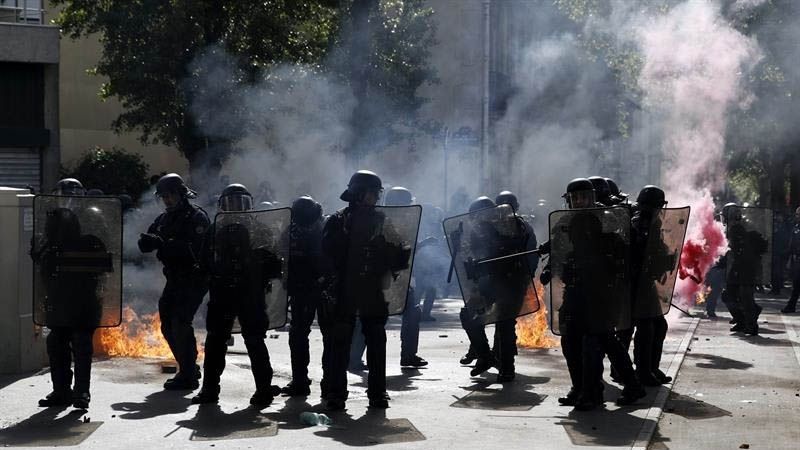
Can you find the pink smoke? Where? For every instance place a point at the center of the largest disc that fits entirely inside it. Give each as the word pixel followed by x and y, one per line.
pixel 694 65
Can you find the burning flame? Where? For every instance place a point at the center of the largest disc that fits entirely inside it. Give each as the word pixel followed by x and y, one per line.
pixel 532 331
pixel 137 337
pixel 702 294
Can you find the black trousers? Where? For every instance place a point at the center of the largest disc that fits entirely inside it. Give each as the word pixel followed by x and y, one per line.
pixel 505 340
pixel 176 307
pixel 223 308
pixel 795 283
pixel 304 308
pixel 583 353
pixel 65 345
pixel 339 332
pixel 740 300
pixel 648 344
pixel 409 330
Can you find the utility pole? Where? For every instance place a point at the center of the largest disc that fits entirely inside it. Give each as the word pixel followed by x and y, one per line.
pixel 485 133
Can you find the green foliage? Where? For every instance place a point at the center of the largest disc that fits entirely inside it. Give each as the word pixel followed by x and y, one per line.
pixel 112 171
pixel 149 47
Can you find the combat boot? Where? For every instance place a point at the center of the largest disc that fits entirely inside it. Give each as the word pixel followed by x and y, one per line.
pixel 630 394
pixel 380 402
pixel 57 398
pixel 80 400
pixel 414 361
pixel 571 399
pixel 482 365
pixel 263 397
pixel 468 358
pixel 297 389
pixel 209 394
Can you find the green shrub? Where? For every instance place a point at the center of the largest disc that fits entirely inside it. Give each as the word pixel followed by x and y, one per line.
pixel 113 171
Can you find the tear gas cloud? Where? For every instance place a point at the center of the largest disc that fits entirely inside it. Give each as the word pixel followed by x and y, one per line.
pixel 641 92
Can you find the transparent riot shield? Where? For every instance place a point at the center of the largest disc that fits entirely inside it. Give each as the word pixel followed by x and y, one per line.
pixel 250 263
pixel 749 233
pixel 660 259
pixel 495 285
pixel 380 257
pixel 77 255
pixel 589 263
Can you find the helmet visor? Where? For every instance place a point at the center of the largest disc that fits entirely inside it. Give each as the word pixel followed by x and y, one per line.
pixel 581 199
pixel 236 202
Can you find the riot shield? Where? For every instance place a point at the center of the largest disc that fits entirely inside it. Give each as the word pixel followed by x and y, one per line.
pixel 659 263
pixel 77 255
pixel 251 259
pixel 589 259
pixel 749 233
pixel 494 286
pixel 380 257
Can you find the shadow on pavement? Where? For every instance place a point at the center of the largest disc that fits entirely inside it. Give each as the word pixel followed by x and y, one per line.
pixel 288 417
pixel 46 429
pixel 765 341
pixel 6 380
pixel 403 382
pixel 159 403
pixel 212 423
pixel 692 408
pixel 718 362
pixel 373 428
pixel 513 396
pixel 602 427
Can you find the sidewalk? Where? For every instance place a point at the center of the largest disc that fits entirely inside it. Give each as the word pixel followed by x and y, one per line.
pixel 735 391
pixel 431 408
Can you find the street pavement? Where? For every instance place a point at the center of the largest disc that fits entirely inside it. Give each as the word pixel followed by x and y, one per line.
pixel 747 387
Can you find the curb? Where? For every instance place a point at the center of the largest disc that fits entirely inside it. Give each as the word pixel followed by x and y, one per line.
pixel 655 411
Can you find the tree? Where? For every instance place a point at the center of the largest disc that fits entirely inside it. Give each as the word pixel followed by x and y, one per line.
pixel 113 171
pixel 378 47
pixel 149 45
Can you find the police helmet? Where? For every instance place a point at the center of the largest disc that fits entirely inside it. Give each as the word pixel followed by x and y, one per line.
pixel 580 191
pixel 69 186
pixel 615 189
pixel 306 211
pixel 602 191
pixel 172 182
pixel 651 196
pixel 481 202
pixel 360 183
pixel 398 196
pixel 507 198
pixel 235 197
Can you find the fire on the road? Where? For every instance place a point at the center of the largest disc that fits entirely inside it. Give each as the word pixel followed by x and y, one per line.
pixel 532 330
pixel 138 337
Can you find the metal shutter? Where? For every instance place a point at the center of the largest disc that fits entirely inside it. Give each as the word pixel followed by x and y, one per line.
pixel 20 167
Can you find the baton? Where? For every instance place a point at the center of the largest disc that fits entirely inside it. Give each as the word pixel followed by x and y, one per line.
pixel 513 255
pixel 681 310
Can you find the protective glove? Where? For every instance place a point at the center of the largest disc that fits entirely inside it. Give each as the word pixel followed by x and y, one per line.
pixel 545 276
pixel 149 242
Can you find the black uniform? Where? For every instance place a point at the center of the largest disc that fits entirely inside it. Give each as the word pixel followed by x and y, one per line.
pixel 72 298
pixel 241 276
pixel 179 234
pixel 353 238
pixel 744 257
pixel 794 255
pixel 307 270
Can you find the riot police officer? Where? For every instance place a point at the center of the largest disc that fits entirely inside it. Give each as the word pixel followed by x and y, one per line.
pixel 649 322
pixel 412 314
pixel 586 336
pixel 307 270
pixel 176 236
pixel 72 307
pixel 744 259
pixel 794 255
pixel 241 272
pixel 358 240
pixel 617 196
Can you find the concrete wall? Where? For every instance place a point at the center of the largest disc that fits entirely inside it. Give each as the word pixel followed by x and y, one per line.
pixel 38 44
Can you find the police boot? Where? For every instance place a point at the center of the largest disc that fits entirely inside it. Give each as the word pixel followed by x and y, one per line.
pixel 506 376
pixel 413 361
pixel 661 376
pixel 630 394
pixel 263 396
pixel 380 402
pixel 209 394
pixel 468 358
pixel 297 388
pixel 80 400
pixel 56 398
pixel 571 399
pixel 483 364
